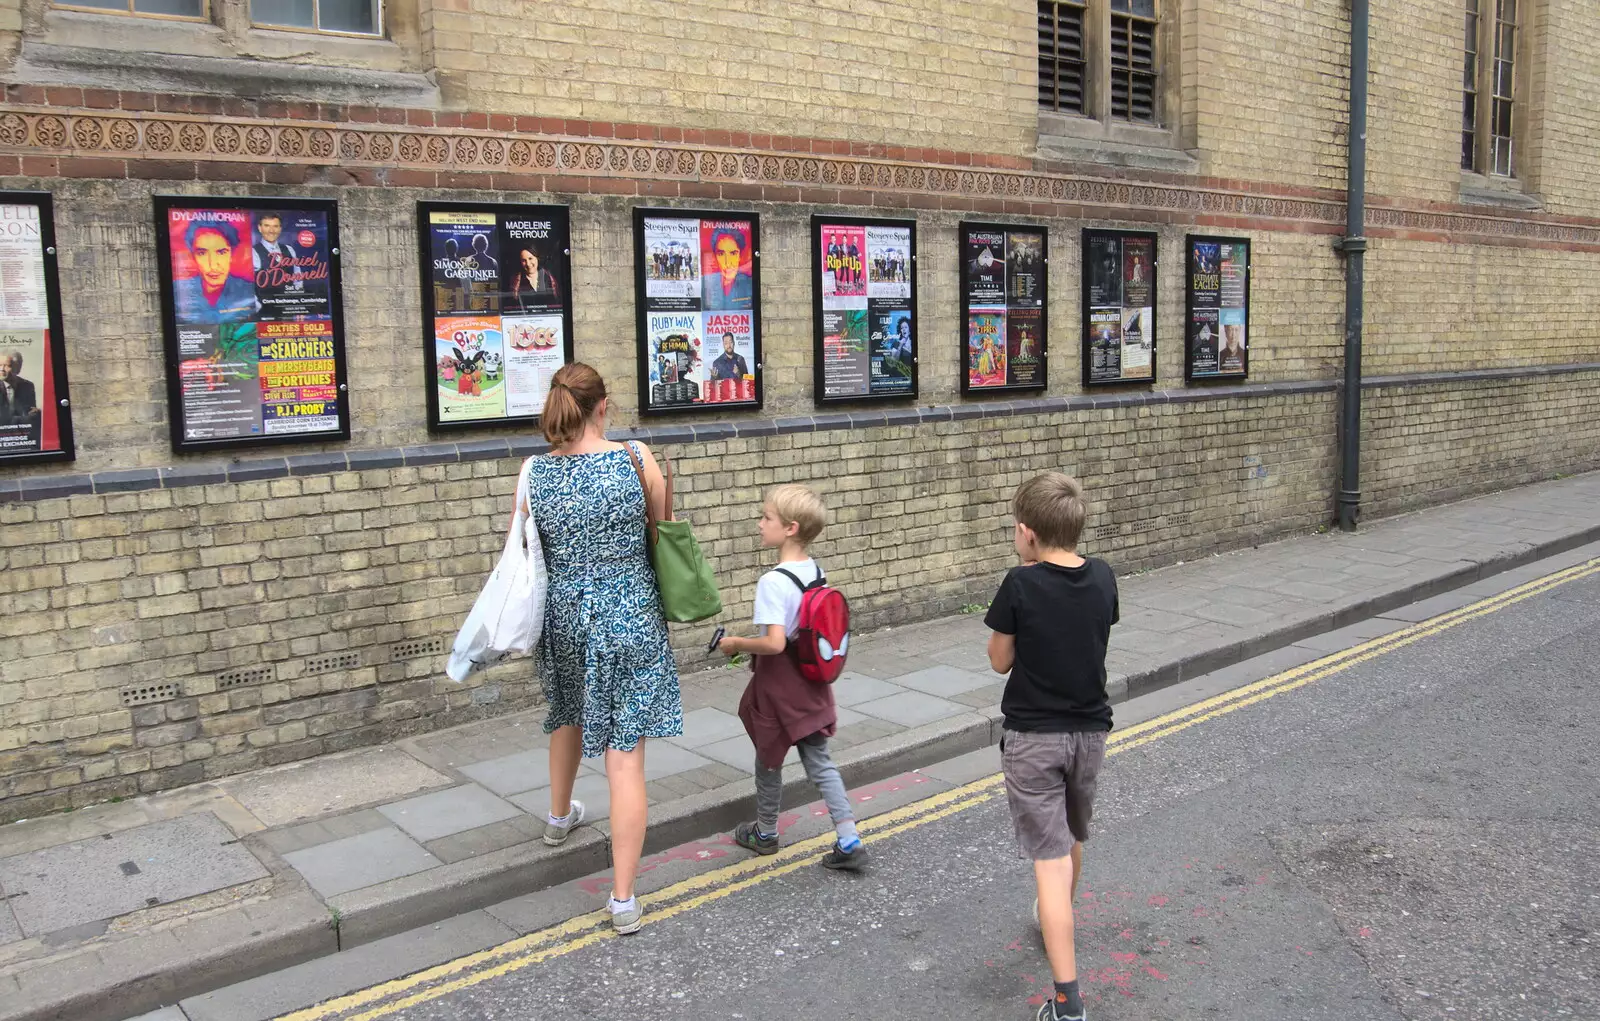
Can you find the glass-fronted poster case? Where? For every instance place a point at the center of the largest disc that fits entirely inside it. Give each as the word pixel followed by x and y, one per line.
pixel 1119 307
pixel 1217 309
pixel 35 412
pixel 864 283
pixel 496 310
pixel 1004 286
pixel 253 320
pixel 697 282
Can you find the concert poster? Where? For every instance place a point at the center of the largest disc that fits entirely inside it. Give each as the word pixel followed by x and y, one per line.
pixel 253 320
pixel 1004 284
pixel 1217 308
pixel 1119 307
pixel 697 284
pixel 496 310
pixel 35 412
pixel 864 286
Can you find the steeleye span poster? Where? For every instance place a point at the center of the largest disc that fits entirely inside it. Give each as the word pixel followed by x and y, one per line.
pixel 700 310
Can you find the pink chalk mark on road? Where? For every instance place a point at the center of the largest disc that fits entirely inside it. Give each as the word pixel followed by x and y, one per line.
pixel 698 851
pixel 1365 932
pixel 1157 900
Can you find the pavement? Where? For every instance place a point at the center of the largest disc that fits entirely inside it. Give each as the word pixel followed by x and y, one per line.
pixel 121 908
pixel 1401 831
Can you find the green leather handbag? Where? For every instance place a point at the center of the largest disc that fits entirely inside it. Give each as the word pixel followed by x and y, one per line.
pixel 683 575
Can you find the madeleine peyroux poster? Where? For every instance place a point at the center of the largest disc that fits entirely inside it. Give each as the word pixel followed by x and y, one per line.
pixel 864 284
pixel 254 327
pixel 35 414
pixel 496 309
pixel 1119 307
pixel 1003 289
pixel 697 285
pixel 1217 312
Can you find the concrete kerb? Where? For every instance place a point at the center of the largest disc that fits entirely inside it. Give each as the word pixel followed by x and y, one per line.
pixel 185 969
pixel 142 974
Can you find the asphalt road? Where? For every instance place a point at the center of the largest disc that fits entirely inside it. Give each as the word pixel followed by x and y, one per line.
pixel 1414 837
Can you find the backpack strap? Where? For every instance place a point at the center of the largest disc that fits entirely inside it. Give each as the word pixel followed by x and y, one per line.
pixel 822 579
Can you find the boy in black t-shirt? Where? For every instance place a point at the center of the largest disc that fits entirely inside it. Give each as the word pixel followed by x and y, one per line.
pixel 1051 620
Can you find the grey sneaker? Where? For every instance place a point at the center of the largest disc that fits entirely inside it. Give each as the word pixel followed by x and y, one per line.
pixel 555 835
pixel 747 835
pixel 1047 1012
pixel 628 922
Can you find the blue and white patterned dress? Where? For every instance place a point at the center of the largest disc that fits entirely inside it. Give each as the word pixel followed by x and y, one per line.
pixel 605 661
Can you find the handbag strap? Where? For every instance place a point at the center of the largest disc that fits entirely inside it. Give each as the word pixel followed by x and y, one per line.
pixel 644 487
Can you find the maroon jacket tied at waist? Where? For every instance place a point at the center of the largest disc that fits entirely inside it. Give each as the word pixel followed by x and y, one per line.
pixel 780 708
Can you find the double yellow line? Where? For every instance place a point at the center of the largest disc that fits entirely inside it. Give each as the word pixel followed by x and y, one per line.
pixel 586 930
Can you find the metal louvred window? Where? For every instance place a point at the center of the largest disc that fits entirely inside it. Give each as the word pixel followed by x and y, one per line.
pixel 1133 60
pixel 1061 57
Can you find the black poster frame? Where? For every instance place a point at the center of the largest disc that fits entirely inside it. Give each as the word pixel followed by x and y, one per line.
pixel 561 219
pixel 1189 270
pixel 45 203
pixel 1085 333
pixel 164 204
pixel 642 309
pixel 818 220
pixel 966 230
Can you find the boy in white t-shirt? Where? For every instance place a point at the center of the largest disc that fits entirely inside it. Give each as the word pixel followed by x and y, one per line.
pixel 780 708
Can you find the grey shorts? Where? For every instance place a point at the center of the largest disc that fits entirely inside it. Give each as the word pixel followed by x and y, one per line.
pixel 1050 781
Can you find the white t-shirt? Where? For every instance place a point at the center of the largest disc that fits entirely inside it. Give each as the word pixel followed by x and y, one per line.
pixel 778 598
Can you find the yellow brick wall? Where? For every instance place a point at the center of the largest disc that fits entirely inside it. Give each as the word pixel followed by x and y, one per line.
pixel 1433 307
pixel 1565 152
pixel 957 74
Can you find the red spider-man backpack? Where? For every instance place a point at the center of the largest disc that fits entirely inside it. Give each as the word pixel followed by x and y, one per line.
pixel 823 636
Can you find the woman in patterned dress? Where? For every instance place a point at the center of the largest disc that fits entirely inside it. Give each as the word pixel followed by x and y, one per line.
pixel 604 659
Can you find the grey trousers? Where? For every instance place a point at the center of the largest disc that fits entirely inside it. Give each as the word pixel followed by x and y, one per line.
pixel 824 775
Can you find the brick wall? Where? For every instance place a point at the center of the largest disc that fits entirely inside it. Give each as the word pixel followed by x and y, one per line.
pixel 280 609
pixel 956 74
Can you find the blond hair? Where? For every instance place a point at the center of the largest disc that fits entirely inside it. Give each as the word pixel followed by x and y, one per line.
pixel 1052 505
pixel 795 504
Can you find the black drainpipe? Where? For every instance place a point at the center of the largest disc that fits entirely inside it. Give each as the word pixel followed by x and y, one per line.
pixel 1354 246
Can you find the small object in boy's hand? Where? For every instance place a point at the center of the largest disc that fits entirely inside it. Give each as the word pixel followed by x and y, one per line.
pixel 716 639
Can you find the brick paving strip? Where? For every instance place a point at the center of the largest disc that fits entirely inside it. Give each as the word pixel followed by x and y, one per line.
pixel 116 909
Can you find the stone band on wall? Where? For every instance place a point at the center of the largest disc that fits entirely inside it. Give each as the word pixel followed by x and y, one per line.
pixel 52 141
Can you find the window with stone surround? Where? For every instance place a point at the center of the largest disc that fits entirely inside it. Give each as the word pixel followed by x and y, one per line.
pixel 1489 87
pixel 188 10
pixel 1098 59
pixel 342 17
pixel 1107 79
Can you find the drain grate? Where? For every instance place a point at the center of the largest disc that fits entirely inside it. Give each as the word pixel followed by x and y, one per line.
pixel 144 694
pixel 330 663
pixel 239 678
pixel 417 647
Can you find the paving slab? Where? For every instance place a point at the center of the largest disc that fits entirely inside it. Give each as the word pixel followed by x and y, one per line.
pixel 357 862
pixel 164 1014
pixel 663 758
pixel 739 753
pixel 593 789
pixel 851 689
pixel 335 783
pixel 456 810
pixel 266 997
pixel 517 772
pixel 944 681
pixel 10 929
pixel 707 726
pixel 910 708
pixel 96 879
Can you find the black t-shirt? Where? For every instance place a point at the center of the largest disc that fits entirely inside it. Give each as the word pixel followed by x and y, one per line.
pixel 1061 617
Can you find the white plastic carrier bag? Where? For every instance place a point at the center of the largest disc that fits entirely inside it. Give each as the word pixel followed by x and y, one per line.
pixel 509 613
